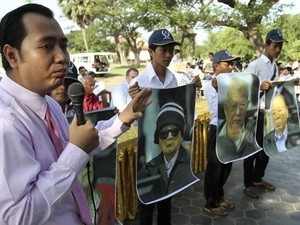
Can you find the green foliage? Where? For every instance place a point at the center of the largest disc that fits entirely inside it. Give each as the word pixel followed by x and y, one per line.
pixel 97 42
pixel 241 29
pixel 234 41
pixel 289 24
pixel 80 11
pixel 231 40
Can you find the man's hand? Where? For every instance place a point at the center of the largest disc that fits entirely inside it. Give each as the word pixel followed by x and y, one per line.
pixel 134 89
pixel 84 136
pixel 197 81
pixel 265 85
pixel 134 109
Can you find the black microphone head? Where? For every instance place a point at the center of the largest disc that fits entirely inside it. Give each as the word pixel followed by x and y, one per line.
pixel 76 93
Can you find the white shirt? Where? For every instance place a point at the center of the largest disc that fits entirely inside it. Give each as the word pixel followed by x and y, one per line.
pixel 99 86
pixel 208 66
pixel 280 141
pixel 211 96
pixel 171 163
pixel 264 69
pixel 120 96
pixel 148 78
pixel 35 183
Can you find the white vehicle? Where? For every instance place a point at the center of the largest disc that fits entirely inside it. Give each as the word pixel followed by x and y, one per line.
pixel 98 62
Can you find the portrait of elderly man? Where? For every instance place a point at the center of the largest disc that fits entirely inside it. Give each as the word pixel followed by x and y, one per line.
pixel 236 134
pixel 170 171
pixel 284 134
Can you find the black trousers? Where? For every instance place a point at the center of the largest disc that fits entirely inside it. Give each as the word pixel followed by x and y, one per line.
pixel 163 212
pixel 255 165
pixel 216 173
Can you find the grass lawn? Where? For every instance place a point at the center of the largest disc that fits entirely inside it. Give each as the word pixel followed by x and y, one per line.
pixel 117 69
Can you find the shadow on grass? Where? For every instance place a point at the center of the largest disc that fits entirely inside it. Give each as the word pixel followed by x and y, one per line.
pixel 112 75
pixel 120 70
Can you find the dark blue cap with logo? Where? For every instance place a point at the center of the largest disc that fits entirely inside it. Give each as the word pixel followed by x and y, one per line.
pixel 223 56
pixel 72 71
pixel 161 37
pixel 275 36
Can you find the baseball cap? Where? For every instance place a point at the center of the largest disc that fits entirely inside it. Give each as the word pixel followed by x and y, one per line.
pixel 72 71
pixel 161 37
pixel 70 80
pixel 223 56
pixel 275 36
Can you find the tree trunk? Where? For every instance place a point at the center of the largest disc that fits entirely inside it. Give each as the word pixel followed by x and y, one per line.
pixel 137 61
pixel 255 39
pixel 192 43
pixel 121 55
pixel 84 40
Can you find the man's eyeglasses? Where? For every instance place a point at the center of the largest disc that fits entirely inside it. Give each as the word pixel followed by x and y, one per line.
pixel 163 134
pixel 278 110
pixel 235 106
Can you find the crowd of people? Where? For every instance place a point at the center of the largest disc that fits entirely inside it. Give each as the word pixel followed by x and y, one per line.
pixel 50 153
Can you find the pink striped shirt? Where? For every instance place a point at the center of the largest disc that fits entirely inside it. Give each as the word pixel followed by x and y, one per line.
pixel 35 185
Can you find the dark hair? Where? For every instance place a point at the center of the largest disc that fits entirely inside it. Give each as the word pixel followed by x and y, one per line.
pixel 268 41
pixel 153 47
pixel 13 30
pixel 131 69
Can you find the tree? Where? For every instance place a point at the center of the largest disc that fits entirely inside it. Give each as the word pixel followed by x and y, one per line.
pixel 249 18
pixel 97 43
pixel 289 24
pixel 231 40
pixel 187 15
pixel 179 15
pixel 121 20
pixel 115 19
pixel 82 12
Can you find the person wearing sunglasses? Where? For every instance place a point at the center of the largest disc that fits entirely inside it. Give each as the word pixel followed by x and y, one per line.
pixel 170 171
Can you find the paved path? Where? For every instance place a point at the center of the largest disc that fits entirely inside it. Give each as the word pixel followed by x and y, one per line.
pixel 281 207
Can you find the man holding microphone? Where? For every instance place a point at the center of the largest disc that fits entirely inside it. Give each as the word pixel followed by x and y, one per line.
pixel 40 155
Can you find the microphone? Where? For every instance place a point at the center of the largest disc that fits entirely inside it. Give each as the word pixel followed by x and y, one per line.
pixel 76 94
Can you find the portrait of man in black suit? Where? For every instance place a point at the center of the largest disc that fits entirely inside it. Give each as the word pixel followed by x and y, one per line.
pixel 284 134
